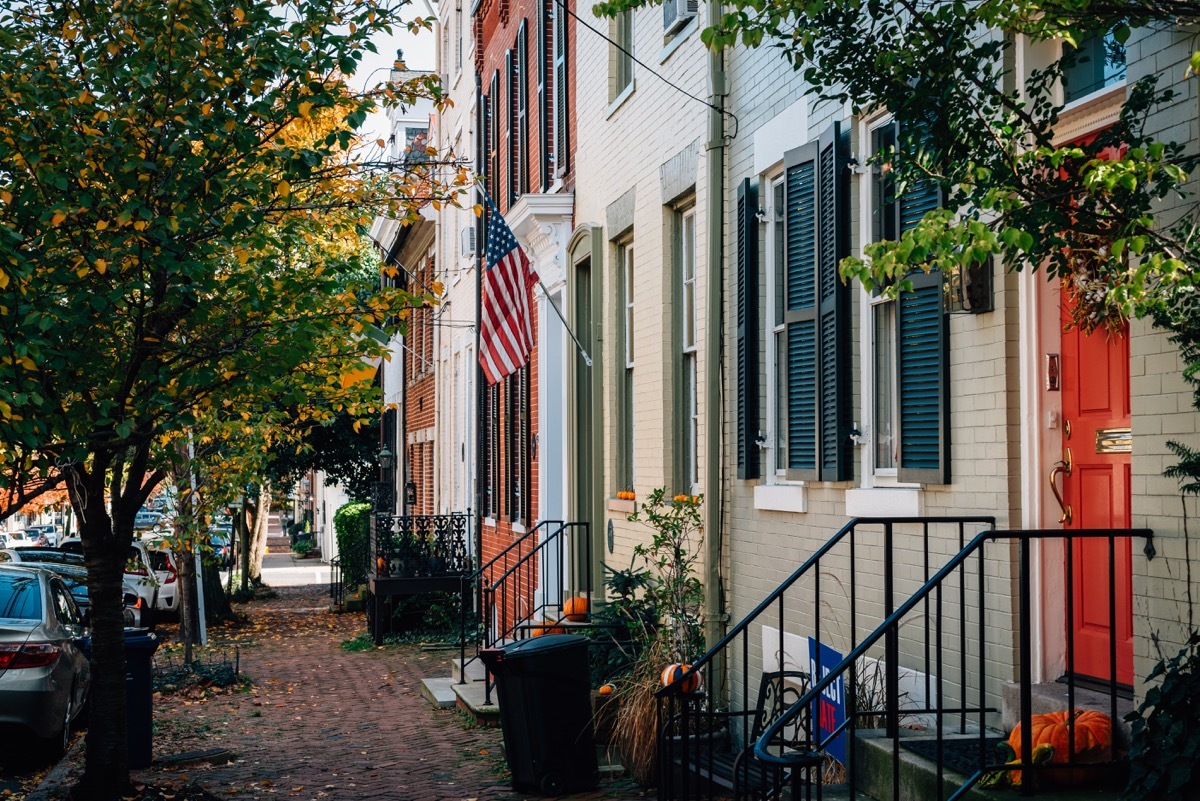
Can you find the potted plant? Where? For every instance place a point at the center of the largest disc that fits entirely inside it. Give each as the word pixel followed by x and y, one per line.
pixel 667 628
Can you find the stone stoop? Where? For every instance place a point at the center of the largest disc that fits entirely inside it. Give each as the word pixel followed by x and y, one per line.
pixel 918 775
pixel 470 698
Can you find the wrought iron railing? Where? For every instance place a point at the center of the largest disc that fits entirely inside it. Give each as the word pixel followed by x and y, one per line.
pixel 522 589
pixel 337 591
pixel 844 588
pixel 962 676
pixel 411 546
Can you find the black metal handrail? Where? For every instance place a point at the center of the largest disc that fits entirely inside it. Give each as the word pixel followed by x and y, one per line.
pixel 532 571
pixel 837 562
pixel 889 630
pixel 336 591
pixel 512 551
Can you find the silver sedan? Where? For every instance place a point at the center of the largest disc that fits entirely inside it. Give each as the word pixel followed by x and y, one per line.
pixel 44 674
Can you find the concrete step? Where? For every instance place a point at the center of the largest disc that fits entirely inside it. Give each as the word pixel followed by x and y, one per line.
pixel 475 670
pixel 470 698
pixel 1052 697
pixel 918 775
pixel 439 692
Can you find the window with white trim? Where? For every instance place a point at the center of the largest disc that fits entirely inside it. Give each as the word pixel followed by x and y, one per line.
pixel 625 461
pixel 690 405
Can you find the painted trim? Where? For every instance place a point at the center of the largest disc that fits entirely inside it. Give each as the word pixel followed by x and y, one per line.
pixel 883 502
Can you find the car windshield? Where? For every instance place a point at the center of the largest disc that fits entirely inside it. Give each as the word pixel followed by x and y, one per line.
pixel 20 597
pixel 51 556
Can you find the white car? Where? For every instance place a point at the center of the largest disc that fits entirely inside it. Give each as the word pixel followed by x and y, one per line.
pixel 162 561
pixel 139 576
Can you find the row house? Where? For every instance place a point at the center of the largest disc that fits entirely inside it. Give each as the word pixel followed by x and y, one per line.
pixel 686 212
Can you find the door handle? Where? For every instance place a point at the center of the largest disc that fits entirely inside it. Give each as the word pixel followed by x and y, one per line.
pixel 1063 467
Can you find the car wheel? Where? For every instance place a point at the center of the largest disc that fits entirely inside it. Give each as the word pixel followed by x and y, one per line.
pixel 56 743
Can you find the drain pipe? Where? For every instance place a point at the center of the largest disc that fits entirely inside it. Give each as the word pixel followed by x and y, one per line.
pixel 714 412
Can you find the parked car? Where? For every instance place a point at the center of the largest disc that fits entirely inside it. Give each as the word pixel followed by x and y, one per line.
pixel 70 566
pixel 139 575
pixel 21 539
pixel 222 545
pixel 146 519
pixel 162 562
pixel 44 674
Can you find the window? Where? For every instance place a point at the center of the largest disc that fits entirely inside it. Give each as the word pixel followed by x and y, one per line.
pixel 458 29
pixel 492 139
pixel 520 101
pixel 516 404
pixel 689 475
pixel 561 152
pixel 546 137
pixel 1099 62
pixel 625 462
pixel 621 54
pixel 491 499
pixel 908 386
pixel 809 385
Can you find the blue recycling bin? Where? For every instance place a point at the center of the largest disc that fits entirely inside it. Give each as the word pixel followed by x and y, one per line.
pixel 140 646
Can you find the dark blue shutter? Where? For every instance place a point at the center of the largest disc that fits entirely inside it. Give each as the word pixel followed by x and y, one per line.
pixel 522 76
pixel 923 360
pixel 834 300
pixel 800 312
pixel 747 331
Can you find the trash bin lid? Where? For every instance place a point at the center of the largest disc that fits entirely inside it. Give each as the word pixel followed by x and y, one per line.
pixel 141 640
pixel 547 643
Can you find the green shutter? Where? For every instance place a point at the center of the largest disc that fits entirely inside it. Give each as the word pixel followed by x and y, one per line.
pixel 817 310
pixel 800 244
pixel 747 331
pixel 923 377
pixel 923 360
pixel 834 305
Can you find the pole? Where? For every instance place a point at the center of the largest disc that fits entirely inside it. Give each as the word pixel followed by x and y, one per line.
pixel 480 387
pixel 582 352
pixel 198 592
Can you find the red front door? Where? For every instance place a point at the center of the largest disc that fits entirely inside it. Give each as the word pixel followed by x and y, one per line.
pixel 1095 378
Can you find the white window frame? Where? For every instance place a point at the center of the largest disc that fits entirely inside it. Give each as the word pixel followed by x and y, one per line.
pixel 690 351
pixel 625 249
pixel 872 476
pixel 775 200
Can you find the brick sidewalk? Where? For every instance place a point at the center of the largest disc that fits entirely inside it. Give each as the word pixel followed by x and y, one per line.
pixel 324 723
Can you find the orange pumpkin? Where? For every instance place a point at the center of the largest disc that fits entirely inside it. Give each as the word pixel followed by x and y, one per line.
pixel 1052 733
pixel 575 608
pixel 606 689
pixel 676 675
pixel 545 627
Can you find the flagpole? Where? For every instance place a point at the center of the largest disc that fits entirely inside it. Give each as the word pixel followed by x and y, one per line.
pixel 480 155
pixel 582 351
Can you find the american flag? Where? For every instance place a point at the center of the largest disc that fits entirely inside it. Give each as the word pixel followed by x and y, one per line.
pixel 507 334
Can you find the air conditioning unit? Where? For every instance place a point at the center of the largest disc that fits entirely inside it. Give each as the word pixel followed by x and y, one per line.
pixel 677 13
pixel 468 241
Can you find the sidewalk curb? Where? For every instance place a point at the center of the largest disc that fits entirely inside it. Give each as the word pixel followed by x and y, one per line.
pixel 61 777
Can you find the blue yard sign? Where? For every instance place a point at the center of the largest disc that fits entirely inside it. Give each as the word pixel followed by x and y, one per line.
pixel 829 710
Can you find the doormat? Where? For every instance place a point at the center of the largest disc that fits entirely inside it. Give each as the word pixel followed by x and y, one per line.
pixel 960 755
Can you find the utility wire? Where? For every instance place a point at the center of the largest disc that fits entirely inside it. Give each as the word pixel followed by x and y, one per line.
pixel 561 4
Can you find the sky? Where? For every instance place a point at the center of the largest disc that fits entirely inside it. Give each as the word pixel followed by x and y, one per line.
pixel 420 53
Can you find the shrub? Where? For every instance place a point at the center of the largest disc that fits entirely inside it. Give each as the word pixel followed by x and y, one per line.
pixel 352 524
pixel 1165 731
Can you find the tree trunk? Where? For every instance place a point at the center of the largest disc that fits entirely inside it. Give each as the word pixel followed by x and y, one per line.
pixel 244 548
pixel 216 600
pixel 185 563
pixel 258 539
pixel 106 772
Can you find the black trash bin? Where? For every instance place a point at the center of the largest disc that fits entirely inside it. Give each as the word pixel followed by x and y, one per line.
pixel 140 646
pixel 544 693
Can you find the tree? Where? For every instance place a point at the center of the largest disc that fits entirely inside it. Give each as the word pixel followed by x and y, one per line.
pixel 155 220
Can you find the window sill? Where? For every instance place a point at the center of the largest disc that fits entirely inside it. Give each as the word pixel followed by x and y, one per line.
pixel 889 502
pixel 781 498
pixel 674 40
pixel 621 505
pixel 620 99
pixel 489 522
pixel 518 528
pixel 1097 96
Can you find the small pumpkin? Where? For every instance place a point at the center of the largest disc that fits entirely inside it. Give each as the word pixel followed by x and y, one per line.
pixel 545 627
pixel 607 689
pixel 676 675
pixel 575 608
pixel 1052 743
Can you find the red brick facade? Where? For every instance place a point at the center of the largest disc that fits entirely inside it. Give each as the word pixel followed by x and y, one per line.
pixel 524 57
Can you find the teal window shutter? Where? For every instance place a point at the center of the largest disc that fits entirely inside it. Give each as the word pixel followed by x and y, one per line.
pixel 800 310
pixel 817 310
pixel 834 306
pixel 923 361
pixel 747 331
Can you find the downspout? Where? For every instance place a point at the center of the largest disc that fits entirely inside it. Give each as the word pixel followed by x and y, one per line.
pixel 715 183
